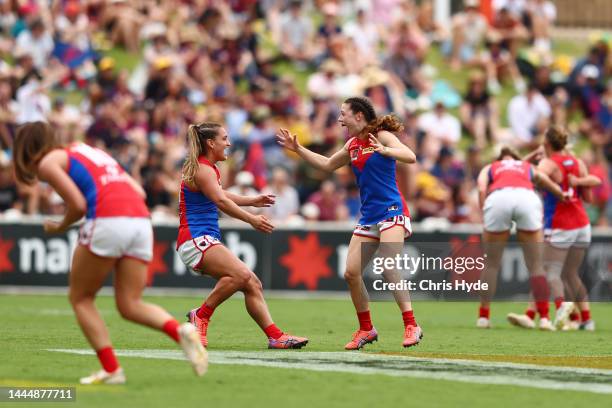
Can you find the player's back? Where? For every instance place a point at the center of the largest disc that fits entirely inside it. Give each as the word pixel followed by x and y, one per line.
pixel 568 214
pixel 510 173
pixel 103 183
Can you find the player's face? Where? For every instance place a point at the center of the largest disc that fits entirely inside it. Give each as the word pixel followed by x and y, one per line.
pixel 347 118
pixel 219 144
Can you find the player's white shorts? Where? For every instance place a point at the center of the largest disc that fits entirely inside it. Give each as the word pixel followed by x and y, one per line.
pixel 118 237
pixel 521 205
pixel 192 252
pixel 564 239
pixel 373 231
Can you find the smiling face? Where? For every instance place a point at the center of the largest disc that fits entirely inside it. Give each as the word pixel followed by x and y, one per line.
pixel 215 148
pixel 354 122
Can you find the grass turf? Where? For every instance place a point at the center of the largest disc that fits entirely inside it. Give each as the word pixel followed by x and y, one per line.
pixel 32 324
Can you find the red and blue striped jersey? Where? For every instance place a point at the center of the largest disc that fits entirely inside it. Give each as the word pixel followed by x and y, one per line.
pixel 103 183
pixel 375 174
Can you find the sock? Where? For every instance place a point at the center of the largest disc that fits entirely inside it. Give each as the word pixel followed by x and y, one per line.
pixel 539 287
pixel 273 331
pixel 408 317
pixel 205 311
pixel 542 308
pixel 558 301
pixel 108 360
pixel 171 329
pixel 530 313
pixel 365 321
pixel 574 317
pixel 484 312
pixel 585 315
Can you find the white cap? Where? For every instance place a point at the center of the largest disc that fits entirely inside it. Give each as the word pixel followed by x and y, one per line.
pixel 590 71
pixel 244 179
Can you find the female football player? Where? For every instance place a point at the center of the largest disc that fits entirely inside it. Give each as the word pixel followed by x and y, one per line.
pixel 372 151
pixel 199 239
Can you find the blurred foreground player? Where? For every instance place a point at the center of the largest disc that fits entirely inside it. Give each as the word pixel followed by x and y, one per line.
pixel 199 238
pixel 507 195
pixel 117 235
pixel 372 151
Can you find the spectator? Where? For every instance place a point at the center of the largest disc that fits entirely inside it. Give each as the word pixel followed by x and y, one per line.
pixel 328 200
pixel 439 128
pixel 478 112
pixel 287 204
pixel 37 43
pixel 528 116
pixel 297 34
pixel 244 186
pixel 469 28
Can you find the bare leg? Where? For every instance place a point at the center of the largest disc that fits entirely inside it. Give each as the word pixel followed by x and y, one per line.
pixel 494 243
pixel 354 268
pixel 87 275
pixel 392 243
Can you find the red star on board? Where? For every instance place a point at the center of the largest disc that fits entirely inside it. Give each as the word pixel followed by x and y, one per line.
pixel 5 261
pixel 306 261
pixel 157 266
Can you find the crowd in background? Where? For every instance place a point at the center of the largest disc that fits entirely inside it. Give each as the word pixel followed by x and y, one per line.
pixel 130 76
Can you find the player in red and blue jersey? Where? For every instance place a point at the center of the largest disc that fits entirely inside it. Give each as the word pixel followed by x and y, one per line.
pixel 199 239
pixel 567 230
pixel 372 151
pixel 117 235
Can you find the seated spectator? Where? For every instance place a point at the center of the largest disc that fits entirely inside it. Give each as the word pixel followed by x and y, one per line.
pixel 510 29
pixel 328 200
pixel 448 169
pixel 500 65
pixel 365 35
pixel 529 116
pixel 432 198
pixel 296 41
pixel 542 15
pixel 287 204
pixel 9 195
pixel 37 43
pixel 469 28
pixel 478 112
pixel 440 128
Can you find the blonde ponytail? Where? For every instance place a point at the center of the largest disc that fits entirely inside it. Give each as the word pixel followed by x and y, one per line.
pixel 196 139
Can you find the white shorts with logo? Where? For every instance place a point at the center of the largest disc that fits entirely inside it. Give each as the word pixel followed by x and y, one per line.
pixel 564 239
pixel 520 205
pixel 373 231
pixel 192 252
pixel 118 237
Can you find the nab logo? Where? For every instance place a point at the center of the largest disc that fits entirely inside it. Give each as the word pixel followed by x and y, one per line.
pixel 354 154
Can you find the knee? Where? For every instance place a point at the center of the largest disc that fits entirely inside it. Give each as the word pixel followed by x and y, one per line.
pixel 77 298
pixel 254 284
pixel 242 279
pixel 352 274
pixel 126 307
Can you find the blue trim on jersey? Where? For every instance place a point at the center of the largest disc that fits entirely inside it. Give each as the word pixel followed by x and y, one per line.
pixel 85 182
pixel 201 213
pixel 550 206
pixel 380 198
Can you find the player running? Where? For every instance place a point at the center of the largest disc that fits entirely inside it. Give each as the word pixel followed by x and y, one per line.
pixel 372 151
pixel 117 235
pixel 567 232
pixel 199 239
pixel 506 194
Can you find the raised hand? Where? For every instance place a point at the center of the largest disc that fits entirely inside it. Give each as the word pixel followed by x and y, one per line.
pixel 261 223
pixel 287 140
pixel 375 143
pixel 264 200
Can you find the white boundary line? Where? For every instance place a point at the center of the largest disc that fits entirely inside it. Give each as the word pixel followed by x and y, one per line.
pixel 347 362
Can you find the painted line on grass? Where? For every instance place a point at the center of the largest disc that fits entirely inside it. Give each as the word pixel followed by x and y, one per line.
pixel 469 371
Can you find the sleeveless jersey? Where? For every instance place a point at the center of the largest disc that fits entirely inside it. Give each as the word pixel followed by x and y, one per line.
pixel 198 214
pixel 510 173
pixel 375 174
pixel 103 183
pixel 569 214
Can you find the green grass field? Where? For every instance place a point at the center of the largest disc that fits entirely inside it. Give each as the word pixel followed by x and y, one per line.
pixel 244 373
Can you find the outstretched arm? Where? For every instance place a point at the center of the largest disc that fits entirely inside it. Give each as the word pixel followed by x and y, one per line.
pixel 261 200
pixel 206 180
pixel 389 145
pixel 329 164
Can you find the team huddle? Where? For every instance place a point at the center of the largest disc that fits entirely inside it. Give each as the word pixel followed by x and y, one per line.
pixel 117 233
